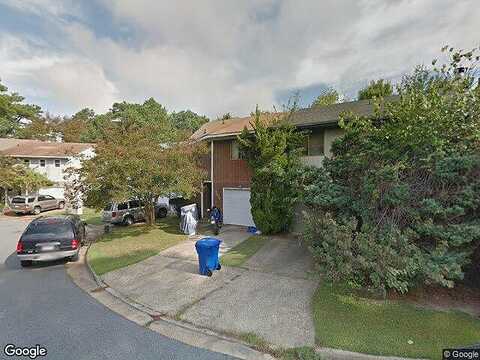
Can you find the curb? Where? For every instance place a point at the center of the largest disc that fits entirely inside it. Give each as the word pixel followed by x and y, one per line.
pixel 85 278
pixel 337 354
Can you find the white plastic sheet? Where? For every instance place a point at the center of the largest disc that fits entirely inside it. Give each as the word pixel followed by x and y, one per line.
pixel 188 219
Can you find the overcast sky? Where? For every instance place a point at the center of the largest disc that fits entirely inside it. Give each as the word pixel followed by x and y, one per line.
pixel 218 56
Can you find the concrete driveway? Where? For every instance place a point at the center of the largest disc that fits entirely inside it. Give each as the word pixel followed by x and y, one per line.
pixel 270 296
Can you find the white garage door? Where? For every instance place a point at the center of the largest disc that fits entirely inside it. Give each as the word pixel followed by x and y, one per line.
pixel 56 192
pixel 236 207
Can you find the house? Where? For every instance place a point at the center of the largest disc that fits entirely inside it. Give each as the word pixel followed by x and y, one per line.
pixel 228 182
pixel 48 158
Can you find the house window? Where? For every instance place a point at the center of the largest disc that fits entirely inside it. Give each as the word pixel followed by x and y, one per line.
pixel 57 163
pixel 42 162
pixel 315 143
pixel 236 153
pixel 26 162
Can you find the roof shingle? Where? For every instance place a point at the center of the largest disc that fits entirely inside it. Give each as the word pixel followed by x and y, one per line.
pixel 37 148
pixel 322 115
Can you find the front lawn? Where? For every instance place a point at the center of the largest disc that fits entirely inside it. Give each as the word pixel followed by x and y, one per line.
pixel 128 245
pixel 92 216
pixel 243 251
pixel 349 322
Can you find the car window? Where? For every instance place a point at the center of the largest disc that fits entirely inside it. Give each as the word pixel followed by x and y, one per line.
pixel 31 200
pixel 18 200
pixel 108 207
pixel 54 227
pixel 134 204
pixel 122 206
pixel 41 198
pixel 48 197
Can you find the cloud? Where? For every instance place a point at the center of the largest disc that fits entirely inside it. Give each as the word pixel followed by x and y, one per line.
pixel 226 56
pixel 63 83
pixel 44 7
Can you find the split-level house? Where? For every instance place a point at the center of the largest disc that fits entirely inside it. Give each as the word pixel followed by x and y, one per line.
pixel 228 182
pixel 48 158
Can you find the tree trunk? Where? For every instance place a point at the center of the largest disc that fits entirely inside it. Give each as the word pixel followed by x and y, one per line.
pixel 149 214
pixel 6 196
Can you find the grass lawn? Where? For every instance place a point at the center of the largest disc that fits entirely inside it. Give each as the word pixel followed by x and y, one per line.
pixel 243 251
pixel 128 245
pixel 349 322
pixel 90 216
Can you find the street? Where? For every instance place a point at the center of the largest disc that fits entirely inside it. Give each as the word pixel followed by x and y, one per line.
pixel 41 305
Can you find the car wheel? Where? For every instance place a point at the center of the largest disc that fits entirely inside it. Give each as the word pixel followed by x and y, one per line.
pixel 37 210
pixel 26 263
pixel 209 273
pixel 61 205
pixel 74 258
pixel 128 221
pixel 161 213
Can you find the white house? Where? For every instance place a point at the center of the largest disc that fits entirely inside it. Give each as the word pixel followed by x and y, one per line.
pixel 48 158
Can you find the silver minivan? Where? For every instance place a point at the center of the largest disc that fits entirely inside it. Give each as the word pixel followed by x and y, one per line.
pixel 129 212
pixel 35 204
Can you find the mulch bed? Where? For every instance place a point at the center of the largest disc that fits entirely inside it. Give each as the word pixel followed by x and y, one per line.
pixel 461 298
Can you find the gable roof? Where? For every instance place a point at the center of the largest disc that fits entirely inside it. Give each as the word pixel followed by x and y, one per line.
pixel 37 148
pixel 318 116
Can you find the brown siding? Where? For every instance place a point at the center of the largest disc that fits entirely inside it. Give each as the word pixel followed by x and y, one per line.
pixel 227 172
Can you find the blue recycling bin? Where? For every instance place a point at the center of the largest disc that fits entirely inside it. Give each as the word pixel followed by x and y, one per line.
pixel 207 250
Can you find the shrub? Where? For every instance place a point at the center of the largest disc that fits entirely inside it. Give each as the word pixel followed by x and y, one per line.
pixel 399 202
pixel 273 153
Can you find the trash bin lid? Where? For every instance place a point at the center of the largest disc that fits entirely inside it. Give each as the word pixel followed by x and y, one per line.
pixel 207 242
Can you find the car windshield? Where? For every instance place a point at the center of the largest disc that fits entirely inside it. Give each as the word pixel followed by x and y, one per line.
pixel 18 200
pixel 57 228
pixel 108 207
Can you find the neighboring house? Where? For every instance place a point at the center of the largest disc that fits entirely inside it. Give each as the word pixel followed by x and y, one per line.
pixel 48 158
pixel 228 183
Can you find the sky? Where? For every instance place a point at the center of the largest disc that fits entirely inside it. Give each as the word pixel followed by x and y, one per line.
pixel 220 56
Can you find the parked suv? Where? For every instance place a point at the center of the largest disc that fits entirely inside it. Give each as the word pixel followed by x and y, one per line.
pixel 35 204
pixel 129 212
pixel 51 238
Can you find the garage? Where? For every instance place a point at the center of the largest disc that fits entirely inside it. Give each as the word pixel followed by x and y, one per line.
pixel 56 192
pixel 236 207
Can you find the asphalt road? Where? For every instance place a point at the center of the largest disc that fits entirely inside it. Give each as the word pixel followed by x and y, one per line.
pixel 41 305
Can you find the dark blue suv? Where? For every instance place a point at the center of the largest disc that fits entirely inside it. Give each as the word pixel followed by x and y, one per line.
pixel 51 238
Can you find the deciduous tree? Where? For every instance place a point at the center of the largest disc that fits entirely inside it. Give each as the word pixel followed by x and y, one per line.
pixel 187 120
pixel 399 202
pixel 273 153
pixel 376 89
pixel 16 176
pixel 327 97
pixel 135 160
